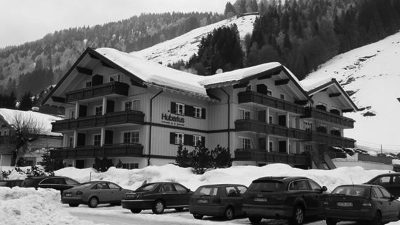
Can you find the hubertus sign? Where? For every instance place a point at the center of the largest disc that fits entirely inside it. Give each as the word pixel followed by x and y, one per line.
pixel 172 119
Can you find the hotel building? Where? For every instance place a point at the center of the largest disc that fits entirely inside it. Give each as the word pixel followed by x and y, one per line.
pixel 137 112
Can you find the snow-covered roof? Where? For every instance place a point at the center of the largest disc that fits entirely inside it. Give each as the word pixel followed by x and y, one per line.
pixel 239 74
pixel 311 84
pixel 42 120
pixel 154 73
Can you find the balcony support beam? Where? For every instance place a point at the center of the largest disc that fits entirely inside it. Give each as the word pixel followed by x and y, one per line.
pixel 76 115
pixel 102 136
pixel 75 138
pixel 104 109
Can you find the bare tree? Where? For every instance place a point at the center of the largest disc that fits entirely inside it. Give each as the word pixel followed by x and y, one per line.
pixel 27 129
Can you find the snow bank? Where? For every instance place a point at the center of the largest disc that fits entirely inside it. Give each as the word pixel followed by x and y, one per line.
pixel 26 206
pixel 132 179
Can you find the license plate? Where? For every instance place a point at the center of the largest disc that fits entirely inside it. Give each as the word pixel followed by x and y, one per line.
pixel 68 195
pixel 260 200
pixel 345 204
pixel 202 201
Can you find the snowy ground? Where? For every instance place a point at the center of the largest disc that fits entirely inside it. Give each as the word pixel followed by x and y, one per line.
pixel 37 207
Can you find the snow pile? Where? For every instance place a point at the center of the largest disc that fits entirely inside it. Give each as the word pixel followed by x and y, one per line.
pixel 27 206
pixel 186 45
pixel 372 73
pixel 132 179
pixel 37 119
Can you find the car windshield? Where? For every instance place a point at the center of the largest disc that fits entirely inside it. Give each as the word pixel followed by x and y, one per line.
pixel 351 191
pixel 147 187
pixel 85 185
pixel 266 186
pixel 211 191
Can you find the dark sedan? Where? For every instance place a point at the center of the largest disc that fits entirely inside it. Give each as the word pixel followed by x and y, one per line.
pixel 390 181
pixel 157 197
pixel 55 182
pixel 217 200
pixel 94 193
pixel 290 198
pixel 367 204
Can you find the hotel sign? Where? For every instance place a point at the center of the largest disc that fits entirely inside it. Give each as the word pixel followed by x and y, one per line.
pixel 172 119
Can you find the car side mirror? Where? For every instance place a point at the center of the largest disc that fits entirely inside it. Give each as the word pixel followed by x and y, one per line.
pixel 392 198
pixel 323 189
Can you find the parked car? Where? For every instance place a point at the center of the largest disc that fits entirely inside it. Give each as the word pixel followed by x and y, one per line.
pixel 290 198
pixel 157 197
pixel 10 183
pixel 55 182
pixel 94 193
pixel 390 181
pixel 367 204
pixel 223 200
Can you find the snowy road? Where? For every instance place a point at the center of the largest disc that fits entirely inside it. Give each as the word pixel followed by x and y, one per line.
pixel 107 215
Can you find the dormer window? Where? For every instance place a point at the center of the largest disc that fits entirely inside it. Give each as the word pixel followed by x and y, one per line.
pixel 115 77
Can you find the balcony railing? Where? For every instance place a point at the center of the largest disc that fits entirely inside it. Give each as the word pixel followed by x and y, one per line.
pixel 115 87
pixel 332 140
pixel 261 127
pixel 272 157
pixel 251 96
pixel 114 118
pixel 113 150
pixel 329 117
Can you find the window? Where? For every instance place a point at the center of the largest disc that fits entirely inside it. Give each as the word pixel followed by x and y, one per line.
pixel 132 105
pixel 72 114
pixel 167 188
pixel 96 139
pixel 246 143
pixel 231 192
pixel 244 114
pixel 299 185
pixel 71 142
pixel 385 193
pixel 282 96
pixel 130 166
pixel 113 186
pixel 101 186
pixel 307 126
pixel 271 146
pixel 114 77
pixel 179 139
pixel 70 181
pixel 270 120
pixel 197 140
pixel 180 188
pixel 208 191
pixel 382 180
pixel 314 186
pixel 377 192
pixel 197 112
pixel 131 137
pixel 88 83
pixel 242 189
pixel 180 109
pixel 99 110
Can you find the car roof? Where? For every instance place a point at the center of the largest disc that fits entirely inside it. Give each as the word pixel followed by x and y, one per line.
pixel 385 174
pixel 283 178
pixel 222 185
pixel 359 185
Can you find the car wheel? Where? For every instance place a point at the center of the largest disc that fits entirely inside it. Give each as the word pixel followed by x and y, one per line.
pixel 255 220
pixel 298 216
pixel 136 210
pixel 229 213
pixel 198 216
pixel 377 220
pixel 158 207
pixel 73 205
pixel 93 202
pixel 330 221
pixel 179 209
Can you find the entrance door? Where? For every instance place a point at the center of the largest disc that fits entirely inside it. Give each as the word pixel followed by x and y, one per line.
pixel 109 137
pixel 82 110
pixel 81 141
pixel 80 164
pixel 110 106
pixel 282 146
pixel 262 144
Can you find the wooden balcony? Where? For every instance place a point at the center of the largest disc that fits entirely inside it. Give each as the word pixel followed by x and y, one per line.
pixel 271 129
pixel 115 87
pixel 113 150
pixel 260 155
pixel 328 117
pixel 134 117
pixel 251 96
pixel 332 140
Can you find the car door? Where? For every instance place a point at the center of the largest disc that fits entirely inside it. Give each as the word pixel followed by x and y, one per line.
pixel 381 203
pixel 310 197
pixel 317 196
pixel 392 208
pixel 182 196
pixel 103 192
pixel 169 194
pixel 116 193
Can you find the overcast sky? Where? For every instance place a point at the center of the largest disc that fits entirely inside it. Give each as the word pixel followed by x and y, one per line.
pixel 28 20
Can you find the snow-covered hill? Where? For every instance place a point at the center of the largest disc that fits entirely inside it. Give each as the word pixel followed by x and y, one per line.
pixel 372 73
pixel 185 46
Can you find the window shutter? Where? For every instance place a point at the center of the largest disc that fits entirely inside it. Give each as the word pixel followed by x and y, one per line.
pixel 172 138
pixel 173 107
pixel 188 139
pixel 203 141
pixel 203 113
pixel 189 110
